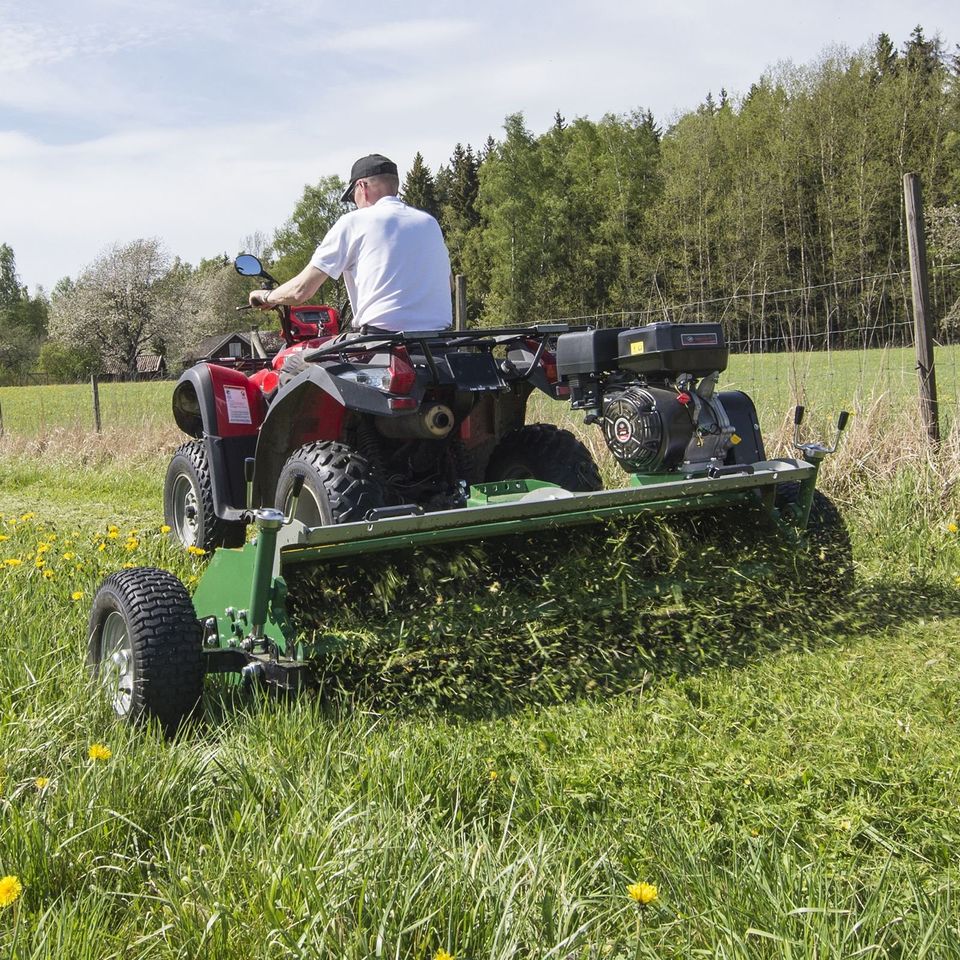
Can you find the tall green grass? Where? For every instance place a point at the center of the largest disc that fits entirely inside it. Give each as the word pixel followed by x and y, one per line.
pixel 789 786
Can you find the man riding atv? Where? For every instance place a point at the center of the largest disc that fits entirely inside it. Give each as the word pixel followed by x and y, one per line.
pixel 392 258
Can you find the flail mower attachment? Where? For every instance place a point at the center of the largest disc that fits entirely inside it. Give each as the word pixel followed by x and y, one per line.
pixel 151 644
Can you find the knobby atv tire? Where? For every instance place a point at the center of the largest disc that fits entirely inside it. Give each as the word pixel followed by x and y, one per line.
pixel 541 451
pixel 188 491
pixel 145 647
pixel 827 539
pixel 338 484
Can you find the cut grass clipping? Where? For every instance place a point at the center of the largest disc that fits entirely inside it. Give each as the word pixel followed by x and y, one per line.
pixel 536 619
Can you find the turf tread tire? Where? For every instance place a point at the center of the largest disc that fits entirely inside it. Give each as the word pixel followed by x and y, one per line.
pixel 544 452
pixel 190 459
pixel 340 480
pixel 166 641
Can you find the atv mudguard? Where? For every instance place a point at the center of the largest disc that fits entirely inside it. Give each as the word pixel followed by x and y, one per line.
pixel 200 410
pixel 309 407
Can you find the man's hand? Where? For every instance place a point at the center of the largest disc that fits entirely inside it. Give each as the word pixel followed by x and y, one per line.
pixel 258 299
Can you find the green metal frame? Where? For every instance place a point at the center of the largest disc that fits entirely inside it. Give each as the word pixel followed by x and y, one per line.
pixel 241 598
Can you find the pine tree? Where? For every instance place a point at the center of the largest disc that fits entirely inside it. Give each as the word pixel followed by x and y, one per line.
pixel 885 59
pixel 11 291
pixel 419 189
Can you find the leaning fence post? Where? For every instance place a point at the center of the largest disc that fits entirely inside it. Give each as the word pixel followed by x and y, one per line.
pixel 922 320
pixel 96 401
pixel 460 301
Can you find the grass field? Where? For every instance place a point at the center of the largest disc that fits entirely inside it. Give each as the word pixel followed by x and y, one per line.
pixel 793 794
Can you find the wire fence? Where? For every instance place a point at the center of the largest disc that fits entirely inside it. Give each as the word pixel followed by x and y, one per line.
pixel 844 344
pixel 849 342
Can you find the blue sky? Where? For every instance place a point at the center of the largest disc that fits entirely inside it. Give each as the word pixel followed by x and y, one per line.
pixel 199 123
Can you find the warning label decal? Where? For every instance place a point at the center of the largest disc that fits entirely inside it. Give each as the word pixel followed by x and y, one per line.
pixel 238 407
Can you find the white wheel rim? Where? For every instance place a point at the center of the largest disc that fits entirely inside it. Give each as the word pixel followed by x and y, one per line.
pixel 116 667
pixel 186 510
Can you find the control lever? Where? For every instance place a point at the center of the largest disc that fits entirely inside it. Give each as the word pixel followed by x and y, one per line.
pixel 817 450
pixel 295 492
pixel 248 466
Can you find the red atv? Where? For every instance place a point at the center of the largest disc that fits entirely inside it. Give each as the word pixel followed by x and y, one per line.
pixel 378 425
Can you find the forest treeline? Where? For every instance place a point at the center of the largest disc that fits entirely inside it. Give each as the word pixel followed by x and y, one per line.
pixel 778 211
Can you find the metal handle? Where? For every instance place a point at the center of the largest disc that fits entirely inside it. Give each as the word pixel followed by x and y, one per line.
pixel 389 513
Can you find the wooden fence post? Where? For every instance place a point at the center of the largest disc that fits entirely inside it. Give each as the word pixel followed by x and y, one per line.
pixel 922 320
pixel 1 421
pixel 96 401
pixel 460 302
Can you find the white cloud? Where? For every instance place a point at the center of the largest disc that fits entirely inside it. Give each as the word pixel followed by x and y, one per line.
pixel 399 38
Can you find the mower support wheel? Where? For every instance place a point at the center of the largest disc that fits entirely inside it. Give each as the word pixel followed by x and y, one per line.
pixel 541 451
pixel 338 484
pixel 188 502
pixel 145 647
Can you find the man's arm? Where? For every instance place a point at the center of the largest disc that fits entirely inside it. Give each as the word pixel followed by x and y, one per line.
pixel 298 290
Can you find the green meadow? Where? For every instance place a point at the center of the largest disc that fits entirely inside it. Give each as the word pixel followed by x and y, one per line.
pixel 777 776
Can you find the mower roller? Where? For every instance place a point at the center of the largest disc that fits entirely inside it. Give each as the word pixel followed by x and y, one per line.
pixel 339 450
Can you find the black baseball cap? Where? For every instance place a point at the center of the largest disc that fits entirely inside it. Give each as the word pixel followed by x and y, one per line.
pixel 370 166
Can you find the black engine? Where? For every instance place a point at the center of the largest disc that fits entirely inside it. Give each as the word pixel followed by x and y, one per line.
pixel 651 389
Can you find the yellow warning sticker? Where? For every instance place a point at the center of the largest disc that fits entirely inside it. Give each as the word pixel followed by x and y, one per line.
pixel 636 347
pixel 735 439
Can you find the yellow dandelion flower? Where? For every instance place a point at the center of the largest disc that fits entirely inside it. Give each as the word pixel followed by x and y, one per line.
pixel 113 534
pixel 48 574
pixel 42 548
pixel 952 527
pixel 101 547
pixel 10 889
pixel 12 562
pixel 442 954
pixel 493 775
pixel 69 556
pixel 28 516
pixel 41 783
pixel 79 566
pixel 98 751
pixel 192 579
pixel 165 528
pixel 3 537
pixel 196 551
pixel 132 544
pixel 40 564
pixel 642 893
pixel 76 595
pixel 112 527
pixel 128 565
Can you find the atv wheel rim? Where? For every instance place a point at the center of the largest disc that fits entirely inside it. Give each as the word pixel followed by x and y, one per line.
pixel 308 510
pixel 186 510
pixel 116 663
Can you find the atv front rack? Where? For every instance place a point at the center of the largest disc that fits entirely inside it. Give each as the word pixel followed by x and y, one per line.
pixel 241 599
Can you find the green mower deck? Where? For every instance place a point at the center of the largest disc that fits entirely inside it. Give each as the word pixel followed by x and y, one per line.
pixel 241 599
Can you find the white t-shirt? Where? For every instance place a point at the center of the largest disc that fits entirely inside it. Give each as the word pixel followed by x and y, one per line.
pixel 395 264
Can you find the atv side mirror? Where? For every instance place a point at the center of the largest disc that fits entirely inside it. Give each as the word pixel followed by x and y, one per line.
pixel 247 265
